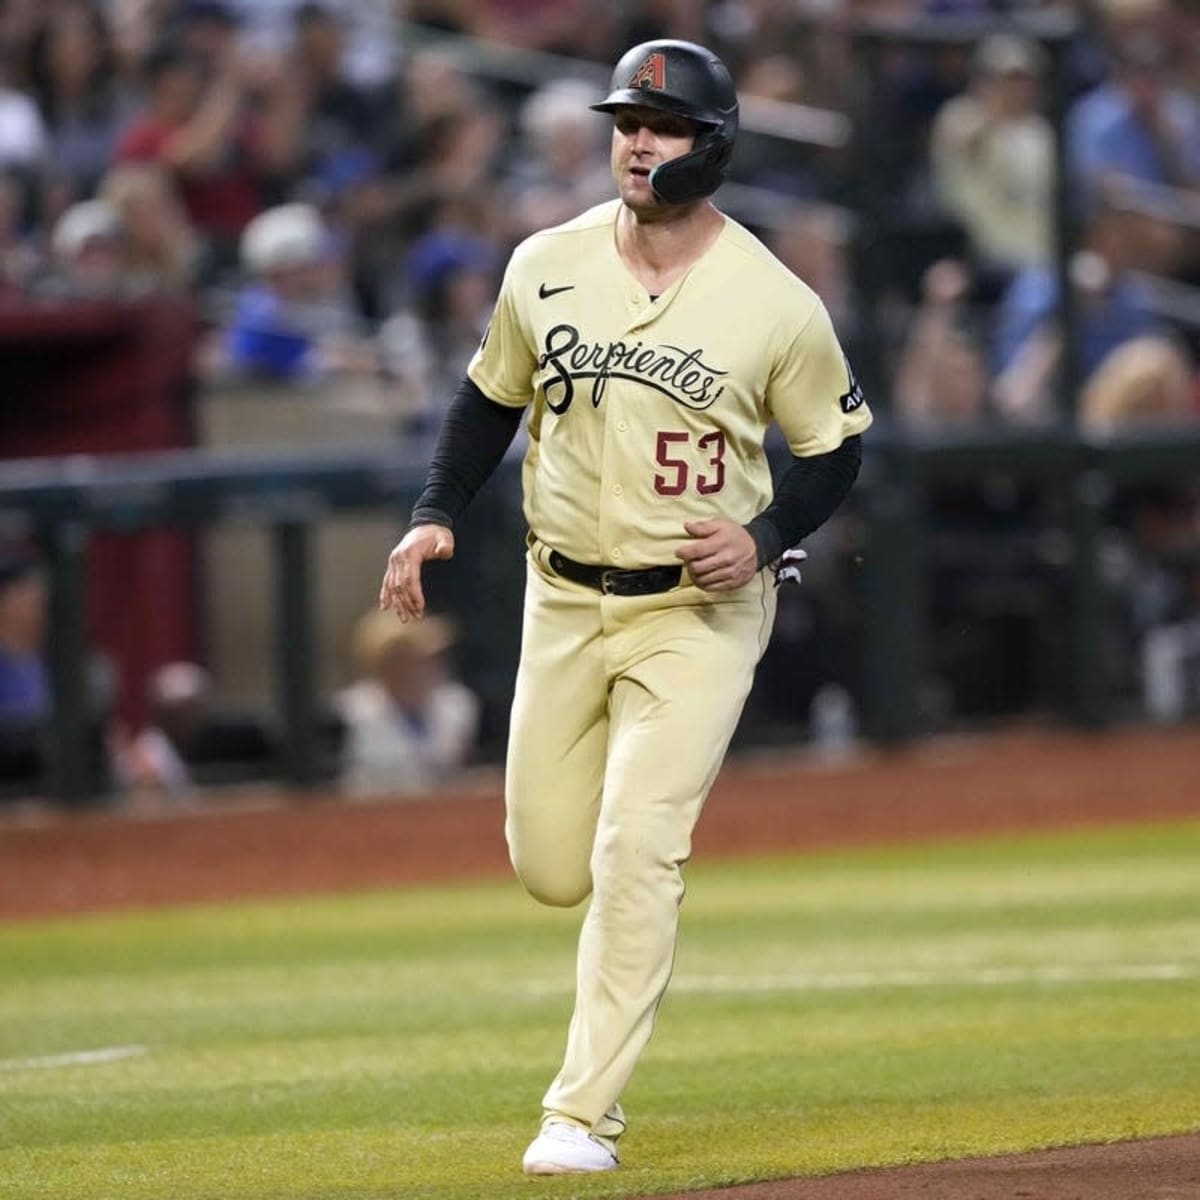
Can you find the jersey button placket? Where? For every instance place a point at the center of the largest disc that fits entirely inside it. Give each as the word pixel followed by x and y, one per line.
pixel 617 490
pixel 611 458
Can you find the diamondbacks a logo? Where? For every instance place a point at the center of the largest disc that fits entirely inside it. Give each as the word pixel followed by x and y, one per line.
pixel 853 398
pixel 651 74
pixel 681 375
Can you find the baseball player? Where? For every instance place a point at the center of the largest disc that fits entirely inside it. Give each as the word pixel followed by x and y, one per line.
pixel 651 340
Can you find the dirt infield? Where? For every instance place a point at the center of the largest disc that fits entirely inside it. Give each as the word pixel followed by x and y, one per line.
pixel 1154 1169
pixel 269 843
pixel 266 843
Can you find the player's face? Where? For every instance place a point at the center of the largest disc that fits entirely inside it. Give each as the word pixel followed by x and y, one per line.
pixel 643 138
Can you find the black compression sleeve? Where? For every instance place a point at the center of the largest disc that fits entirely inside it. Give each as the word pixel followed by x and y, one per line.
pixel 807 496
pixel 475 434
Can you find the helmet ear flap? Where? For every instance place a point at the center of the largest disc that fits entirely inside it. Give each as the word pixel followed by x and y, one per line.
pixel 694 175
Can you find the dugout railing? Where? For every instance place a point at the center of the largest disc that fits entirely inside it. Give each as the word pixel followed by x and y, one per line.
pixel 1082 474
pixel 62 502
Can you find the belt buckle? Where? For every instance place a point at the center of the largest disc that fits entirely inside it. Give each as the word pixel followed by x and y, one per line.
pixel 606 580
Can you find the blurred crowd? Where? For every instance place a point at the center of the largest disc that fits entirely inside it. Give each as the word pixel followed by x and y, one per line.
pixel 341 187
pixel 338 184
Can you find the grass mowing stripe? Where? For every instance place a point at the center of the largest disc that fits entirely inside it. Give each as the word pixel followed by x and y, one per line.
pixel 828 1012
pixel 986 977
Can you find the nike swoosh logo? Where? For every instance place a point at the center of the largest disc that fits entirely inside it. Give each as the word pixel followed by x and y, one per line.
pixel 544 292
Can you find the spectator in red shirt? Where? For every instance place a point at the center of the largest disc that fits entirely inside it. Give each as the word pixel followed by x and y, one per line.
pixel 224 137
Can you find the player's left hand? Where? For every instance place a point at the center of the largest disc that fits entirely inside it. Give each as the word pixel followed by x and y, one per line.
pixel 721 555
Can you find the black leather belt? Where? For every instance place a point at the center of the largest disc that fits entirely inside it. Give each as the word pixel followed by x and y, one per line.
pixel 615 581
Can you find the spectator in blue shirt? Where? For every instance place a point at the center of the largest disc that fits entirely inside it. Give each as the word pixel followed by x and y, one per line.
pixel 1111 308
pixel 24 685
pixel 294 319
pixel 1137 128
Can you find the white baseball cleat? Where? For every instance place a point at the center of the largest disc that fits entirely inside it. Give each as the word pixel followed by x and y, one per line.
pixel 565 1149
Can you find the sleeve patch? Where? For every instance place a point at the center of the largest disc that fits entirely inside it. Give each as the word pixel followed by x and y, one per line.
pixel 853 397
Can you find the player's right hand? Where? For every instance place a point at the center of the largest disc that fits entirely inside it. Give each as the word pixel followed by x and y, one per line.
pixel 401 588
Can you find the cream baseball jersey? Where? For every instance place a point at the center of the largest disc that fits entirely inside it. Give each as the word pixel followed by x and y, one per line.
pixel 649 413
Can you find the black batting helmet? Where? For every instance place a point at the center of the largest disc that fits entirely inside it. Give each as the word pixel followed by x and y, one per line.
pixel 688 81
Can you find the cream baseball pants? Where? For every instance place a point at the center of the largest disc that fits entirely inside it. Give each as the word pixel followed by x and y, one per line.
pixel 624 708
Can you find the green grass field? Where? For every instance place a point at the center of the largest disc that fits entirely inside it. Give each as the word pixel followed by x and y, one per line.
pixel 827 1012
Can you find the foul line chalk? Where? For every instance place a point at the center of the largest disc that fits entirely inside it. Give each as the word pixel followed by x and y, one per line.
pixel 77 1058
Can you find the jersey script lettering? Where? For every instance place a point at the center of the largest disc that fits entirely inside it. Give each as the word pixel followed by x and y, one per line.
pixel 680 374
